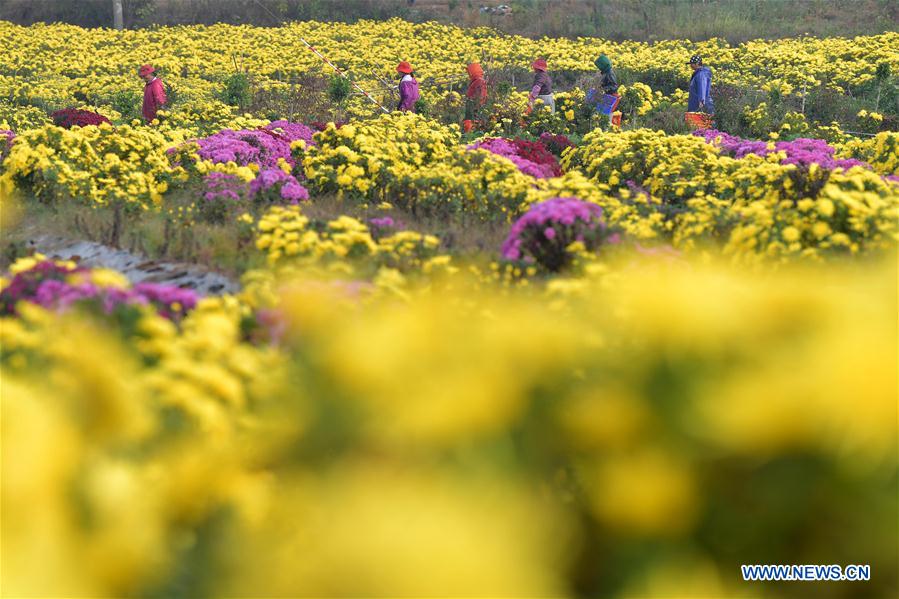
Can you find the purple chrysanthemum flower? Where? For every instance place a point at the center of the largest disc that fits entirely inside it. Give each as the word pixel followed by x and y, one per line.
pixel 384 222
pixel 544 233
pixel 507 149
pixel 275 185
pixel 802 152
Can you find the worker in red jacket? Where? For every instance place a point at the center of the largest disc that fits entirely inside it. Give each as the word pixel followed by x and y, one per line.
pixel 154 93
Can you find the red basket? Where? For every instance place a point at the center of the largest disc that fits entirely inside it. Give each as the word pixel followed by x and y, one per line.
pixel 616 119
pixel 698 120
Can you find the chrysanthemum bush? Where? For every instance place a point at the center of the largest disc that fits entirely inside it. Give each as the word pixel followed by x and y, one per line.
pixel 264 146
pixel 189 458
pixel 556 143
pixel 418 165
pixel 91 165
pixel 551 231
pixel 344 245
pixel 366 158
pixel 475 185
pixel 199 115
pixel 75 117
pixel 671 167
pixel 275 186
pixel 20 118
pixel 222 197
pixel 881 152
pixel 802 152
pixel 531 158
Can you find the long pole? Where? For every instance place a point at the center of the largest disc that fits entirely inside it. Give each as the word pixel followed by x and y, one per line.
pixel 340 72
pixel 328 62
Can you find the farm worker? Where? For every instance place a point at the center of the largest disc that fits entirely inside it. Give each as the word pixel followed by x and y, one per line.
pixel 542 88
pixel 154 94
pixel 605 95
pixel 700 99
pixel 607 80
pixel 476 96
pixel 408 87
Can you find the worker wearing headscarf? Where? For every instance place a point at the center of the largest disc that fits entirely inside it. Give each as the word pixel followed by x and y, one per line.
pixel 608 83
pixel 603 96
pixel 408 87
pixel 476 96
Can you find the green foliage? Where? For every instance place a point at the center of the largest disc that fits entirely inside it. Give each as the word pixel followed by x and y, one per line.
pixel 338 89
pixel 237 90
pixel 127 103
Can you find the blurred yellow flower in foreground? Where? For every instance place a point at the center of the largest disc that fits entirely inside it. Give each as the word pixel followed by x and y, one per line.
pixel 443 435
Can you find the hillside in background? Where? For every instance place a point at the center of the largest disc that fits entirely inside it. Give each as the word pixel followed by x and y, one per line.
pixel 645 20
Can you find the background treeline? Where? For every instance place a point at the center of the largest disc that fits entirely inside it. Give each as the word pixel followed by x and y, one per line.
pixel 734 20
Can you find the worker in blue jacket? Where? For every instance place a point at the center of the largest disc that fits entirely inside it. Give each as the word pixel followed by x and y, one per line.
pixel 700 99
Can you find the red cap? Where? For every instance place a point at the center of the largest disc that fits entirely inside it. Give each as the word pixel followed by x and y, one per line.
pixel 146 70
pixel 404 67
pixel 539 64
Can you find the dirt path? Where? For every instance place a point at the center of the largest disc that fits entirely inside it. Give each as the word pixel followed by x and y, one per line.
pixel 137 268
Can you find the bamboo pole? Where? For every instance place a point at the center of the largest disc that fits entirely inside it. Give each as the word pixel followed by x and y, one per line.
pixel 343 74
pixel 337 69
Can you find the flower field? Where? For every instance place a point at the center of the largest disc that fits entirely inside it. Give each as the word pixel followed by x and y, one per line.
pixel 543 358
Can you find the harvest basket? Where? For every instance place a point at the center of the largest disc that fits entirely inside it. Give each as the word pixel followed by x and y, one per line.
pixel 607 103
pixel 602 103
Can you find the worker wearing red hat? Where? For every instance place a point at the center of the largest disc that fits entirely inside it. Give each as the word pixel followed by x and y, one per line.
pixel 542 89
pixel 154 93
pixel 408 87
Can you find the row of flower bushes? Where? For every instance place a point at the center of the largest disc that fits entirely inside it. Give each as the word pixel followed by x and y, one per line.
pixel 754 198
pixel 42 69
pixel 795 200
